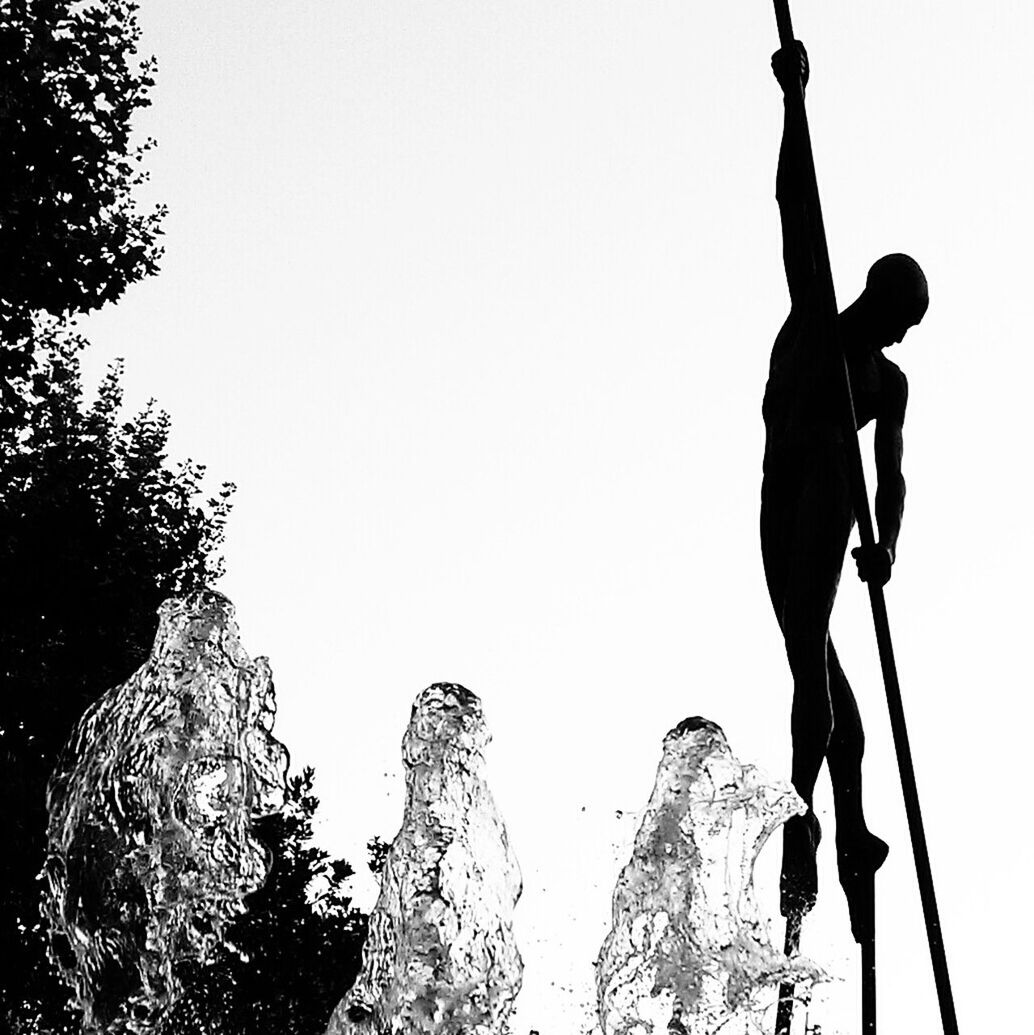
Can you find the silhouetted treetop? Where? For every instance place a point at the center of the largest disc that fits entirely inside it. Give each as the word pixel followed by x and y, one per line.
pixel 71 235
pixel 97 528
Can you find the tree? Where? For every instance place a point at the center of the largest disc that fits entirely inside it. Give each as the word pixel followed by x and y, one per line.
pixel 71 235
pixel 96 530
pixel 286 963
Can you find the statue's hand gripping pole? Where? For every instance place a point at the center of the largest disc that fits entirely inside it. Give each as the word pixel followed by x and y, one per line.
pixel 828 316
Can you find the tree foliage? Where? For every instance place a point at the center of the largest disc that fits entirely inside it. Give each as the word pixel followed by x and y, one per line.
pixel 71 234
pixel 287 962
pixel 96 530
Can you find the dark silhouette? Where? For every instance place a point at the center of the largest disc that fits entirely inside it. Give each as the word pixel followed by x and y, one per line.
pixel 806 503
pixel 72 236
pixel 96 530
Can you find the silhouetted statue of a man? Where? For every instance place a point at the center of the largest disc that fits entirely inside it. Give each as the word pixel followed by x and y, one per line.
pixel 806 504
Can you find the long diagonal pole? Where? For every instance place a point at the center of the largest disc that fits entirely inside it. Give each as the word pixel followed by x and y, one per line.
pixel 879 608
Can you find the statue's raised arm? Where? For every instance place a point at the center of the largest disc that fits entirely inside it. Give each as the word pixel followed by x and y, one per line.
pixel 791 70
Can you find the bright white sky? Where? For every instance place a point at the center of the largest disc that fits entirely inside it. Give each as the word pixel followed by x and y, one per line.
pixel 474 300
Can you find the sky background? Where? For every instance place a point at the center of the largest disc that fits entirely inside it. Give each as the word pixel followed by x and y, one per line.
pixel 474 302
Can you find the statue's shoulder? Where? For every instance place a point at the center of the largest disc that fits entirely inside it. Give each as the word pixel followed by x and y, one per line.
pixel 893 386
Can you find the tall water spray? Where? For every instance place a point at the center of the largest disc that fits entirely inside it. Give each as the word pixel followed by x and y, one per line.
pixel 440 957
pixel 688 950
pixel 151 850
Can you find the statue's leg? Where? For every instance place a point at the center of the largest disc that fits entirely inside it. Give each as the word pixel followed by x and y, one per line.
pixel 859 852
pixel 846 747
pixel 813 572
pixel 811 724
pixel 777 525
pixel 821 528
pixel 780 492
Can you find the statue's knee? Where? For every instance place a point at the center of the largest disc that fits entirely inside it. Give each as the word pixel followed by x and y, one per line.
pixel 848 738
pixel 811 716
pixel 812 711
pixel 807 657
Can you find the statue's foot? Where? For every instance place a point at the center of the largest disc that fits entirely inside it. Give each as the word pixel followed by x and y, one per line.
pixel 798 883
pixel 859 856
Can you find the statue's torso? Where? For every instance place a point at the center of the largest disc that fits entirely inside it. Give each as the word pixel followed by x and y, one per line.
pixel 804 405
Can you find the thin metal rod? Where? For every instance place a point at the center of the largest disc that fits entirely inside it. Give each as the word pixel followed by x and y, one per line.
pixel 899 729
pixel 784 1011
pixel 869 984
pixel 869 958
pixel 920 852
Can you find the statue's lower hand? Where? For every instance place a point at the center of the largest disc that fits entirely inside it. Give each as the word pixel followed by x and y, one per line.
pixel 874 563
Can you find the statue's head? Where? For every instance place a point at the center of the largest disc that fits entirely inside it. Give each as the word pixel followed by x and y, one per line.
pixel 896 298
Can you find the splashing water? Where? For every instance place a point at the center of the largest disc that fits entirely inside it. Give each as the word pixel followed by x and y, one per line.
pixel 688 951
pixel 440 957
pixel 151 807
